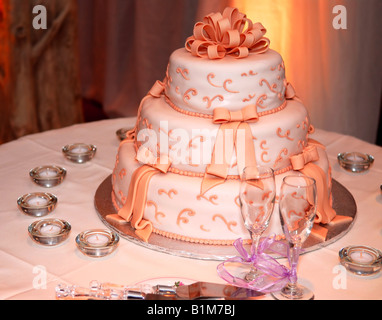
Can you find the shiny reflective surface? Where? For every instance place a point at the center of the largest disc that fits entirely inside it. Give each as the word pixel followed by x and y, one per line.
pixel 355 161
pixel 37 204
pixel 97 242
pixel 49 232
pixel 48 176
pixel 79 152
pixel 361 260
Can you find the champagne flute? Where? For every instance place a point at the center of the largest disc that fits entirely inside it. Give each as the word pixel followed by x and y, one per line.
pixel 257 198
pixel 297 206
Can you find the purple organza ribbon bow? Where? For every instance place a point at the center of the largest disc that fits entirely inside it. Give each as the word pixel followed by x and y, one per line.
pixel 273 277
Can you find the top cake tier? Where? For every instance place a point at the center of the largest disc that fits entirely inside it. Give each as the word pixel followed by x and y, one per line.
pixel 200 85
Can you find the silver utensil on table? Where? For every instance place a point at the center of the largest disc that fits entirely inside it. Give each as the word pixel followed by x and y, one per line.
pixel 197 290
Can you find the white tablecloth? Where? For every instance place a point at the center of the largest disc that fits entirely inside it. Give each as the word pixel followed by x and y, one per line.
pixel 30 271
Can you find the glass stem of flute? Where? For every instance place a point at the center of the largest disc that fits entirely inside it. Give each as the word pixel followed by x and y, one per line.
pixel 255 246
pixel 295 254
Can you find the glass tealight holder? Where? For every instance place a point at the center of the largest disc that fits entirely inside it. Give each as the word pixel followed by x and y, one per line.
pixel 79 152
pixel 49 232
pixel 361 260
pixel 97 243
pixel 37 204
pixel 355 161
pixel 47 176
pixel 121 133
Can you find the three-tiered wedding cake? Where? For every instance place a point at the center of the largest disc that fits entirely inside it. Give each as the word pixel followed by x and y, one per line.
pixel 224 104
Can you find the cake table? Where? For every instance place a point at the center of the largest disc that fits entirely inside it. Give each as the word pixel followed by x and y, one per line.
pixel 31 272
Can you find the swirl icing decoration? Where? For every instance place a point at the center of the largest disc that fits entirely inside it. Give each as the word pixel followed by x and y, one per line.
pixel 230 33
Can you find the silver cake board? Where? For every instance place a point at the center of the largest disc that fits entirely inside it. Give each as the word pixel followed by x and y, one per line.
pixel 343 203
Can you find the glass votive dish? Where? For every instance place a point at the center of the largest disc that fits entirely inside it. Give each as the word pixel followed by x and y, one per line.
pixel 79 152
pixel 37 204
pixel 121 133
pixel 361 260
pixel 47 176
pixel 49 232
pixel 355 161
pixel 97 242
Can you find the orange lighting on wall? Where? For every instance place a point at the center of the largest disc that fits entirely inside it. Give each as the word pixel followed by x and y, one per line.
pixel 274 17
pixel 298 30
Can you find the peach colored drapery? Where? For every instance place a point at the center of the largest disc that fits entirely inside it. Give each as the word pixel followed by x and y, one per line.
pixel 337 73
pixel 125 46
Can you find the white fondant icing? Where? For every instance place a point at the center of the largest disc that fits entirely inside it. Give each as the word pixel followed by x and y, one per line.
pixel 189 140
pixel 200 84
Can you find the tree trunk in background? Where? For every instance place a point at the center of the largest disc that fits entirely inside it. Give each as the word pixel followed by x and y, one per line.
pixel 39 69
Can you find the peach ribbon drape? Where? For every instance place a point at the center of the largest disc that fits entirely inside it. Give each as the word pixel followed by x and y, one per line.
pixel 234 132
pixel 135 205
pixel 303 162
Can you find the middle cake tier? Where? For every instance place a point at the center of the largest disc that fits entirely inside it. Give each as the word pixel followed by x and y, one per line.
pixel 189 140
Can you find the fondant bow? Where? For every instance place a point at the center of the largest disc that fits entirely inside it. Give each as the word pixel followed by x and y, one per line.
pixel 290 92
pixel 309 154
pixel 218 35
pixel 157 89
pixel 303 162
pixel 234 132
pixel 223 115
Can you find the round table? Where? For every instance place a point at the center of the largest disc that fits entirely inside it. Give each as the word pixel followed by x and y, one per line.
pixel 31 271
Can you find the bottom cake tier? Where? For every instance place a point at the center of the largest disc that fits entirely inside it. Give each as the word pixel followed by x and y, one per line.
pixel 177 210
pixel 343 203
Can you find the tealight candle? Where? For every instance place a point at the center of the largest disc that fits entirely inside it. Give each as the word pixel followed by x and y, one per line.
pixel 98 240
pixel 48 173
pixel 50 229
pixel 355 157
pixel 79 152
pixel 47 176
pixel 355 161
pixel 49 232
pixel 97 243
pixel 361 260
pixel 79 149
pixel 37 204
pixel 361 257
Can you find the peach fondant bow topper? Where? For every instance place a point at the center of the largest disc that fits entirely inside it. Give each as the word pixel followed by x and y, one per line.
pixel 224 34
